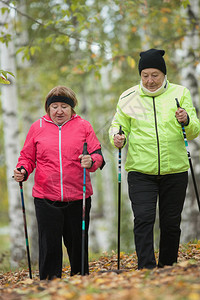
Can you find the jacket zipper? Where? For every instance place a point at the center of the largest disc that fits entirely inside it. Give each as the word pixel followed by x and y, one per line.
pixel 60 156
pixel 61 169
pixel 156 127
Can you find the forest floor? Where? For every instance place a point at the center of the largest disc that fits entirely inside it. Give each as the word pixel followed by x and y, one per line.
pixel 179 282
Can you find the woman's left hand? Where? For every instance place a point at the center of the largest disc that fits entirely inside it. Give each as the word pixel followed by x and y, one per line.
pixel 86 161
pixel 181 115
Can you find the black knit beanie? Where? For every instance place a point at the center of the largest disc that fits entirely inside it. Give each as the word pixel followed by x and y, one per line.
pixel 152 58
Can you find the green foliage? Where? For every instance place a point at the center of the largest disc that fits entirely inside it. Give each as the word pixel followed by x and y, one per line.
pixel 90 35
pixel 4 10
pixel 4 77
pixel 185 3
pixel 3 80
pixel 5 38
pixel 28 51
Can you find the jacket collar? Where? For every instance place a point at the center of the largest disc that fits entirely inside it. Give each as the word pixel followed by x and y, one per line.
pixel 158 92
pixel 48 119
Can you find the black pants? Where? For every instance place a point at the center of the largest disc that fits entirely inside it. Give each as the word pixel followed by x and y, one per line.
pixel 57 220
pixel 143 192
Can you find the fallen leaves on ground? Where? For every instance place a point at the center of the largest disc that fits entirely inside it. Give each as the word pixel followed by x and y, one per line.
pixel 178 282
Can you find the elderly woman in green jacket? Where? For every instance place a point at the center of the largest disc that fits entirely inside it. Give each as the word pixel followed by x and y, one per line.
pixel 157 162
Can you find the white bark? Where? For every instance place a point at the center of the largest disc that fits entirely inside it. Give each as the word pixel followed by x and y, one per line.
pixel 191 215
pixel 26 118
pixel 11 144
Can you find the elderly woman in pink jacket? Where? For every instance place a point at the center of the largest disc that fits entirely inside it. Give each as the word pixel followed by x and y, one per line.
pixel 54 146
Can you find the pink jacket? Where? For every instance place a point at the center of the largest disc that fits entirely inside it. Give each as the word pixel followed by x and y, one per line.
pixel 54 150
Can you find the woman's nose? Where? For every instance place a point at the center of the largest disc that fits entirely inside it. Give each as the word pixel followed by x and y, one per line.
pixel 150 79
pixel 59 110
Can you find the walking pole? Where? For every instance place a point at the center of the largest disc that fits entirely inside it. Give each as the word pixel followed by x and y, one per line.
pixel 25 229
pixel 83 214
pixel 189 158
pixel 118 271
pixel 119 201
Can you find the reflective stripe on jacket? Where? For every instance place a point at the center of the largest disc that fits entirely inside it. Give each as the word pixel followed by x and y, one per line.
pixel 155 138
pixel 54 151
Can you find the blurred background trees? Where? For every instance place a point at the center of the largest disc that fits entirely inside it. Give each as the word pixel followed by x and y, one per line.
pixel 93 47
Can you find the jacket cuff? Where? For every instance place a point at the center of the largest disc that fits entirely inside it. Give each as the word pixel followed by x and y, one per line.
pixel 98 151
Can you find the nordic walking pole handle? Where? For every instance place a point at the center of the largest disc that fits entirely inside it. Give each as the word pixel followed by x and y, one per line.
pixel 178 106
pixel 120 133
pixel 177 103
pixel 20 182
pixel 120 130
pixel 85 152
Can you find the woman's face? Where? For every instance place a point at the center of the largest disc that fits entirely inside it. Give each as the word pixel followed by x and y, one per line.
pixel 60 112
pixel 152 79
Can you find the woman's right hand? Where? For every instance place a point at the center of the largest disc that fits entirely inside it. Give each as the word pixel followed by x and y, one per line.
pixel 19 175
pixel 119 140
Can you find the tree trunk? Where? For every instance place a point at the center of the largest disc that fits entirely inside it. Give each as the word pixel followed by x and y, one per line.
pixel 11 144
pixel 27 119
pixel 191 215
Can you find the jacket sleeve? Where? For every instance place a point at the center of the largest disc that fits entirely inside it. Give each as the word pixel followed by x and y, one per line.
pixel 193 128
pixel 94 149
pixel 120 118
pixel 27 157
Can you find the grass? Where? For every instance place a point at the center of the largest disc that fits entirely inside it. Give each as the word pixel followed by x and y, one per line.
pixel 4 253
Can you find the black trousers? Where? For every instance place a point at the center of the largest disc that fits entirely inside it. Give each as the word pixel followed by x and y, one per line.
pixel 57 221
pixel 144 190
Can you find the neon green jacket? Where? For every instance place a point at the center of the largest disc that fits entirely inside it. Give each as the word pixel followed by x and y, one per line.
pixel 154 136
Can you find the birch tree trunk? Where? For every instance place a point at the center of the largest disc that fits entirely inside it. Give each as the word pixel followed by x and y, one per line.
pixel 191 215
pixel 26 117
pixel 11 143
